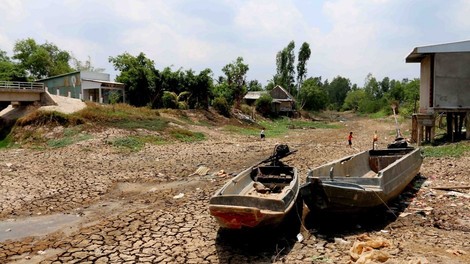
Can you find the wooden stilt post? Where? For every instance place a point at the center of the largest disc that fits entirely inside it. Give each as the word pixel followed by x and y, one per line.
pixel 455 136
pixel 467 125
pixel 450 135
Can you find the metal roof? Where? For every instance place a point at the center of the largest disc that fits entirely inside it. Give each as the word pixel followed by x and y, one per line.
pixel 419 53
pixel 107 83
pixel 254 95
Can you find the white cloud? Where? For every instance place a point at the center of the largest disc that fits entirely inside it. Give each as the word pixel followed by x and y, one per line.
pixel 268 19
pixel 458 14
pixel 347 37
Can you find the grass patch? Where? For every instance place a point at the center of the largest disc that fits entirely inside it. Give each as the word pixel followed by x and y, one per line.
pixel 129 143
pixel 186 135
pixel 41 118
pixel 379 114
pixel 279 127
pixel 70 137
pixel 135 143
pixel 123 116
pixel 455 150
pixel 241 130
pixel 7 142
pixel 5 136
pixel 153 125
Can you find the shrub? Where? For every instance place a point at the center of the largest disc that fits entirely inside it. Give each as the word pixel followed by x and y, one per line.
pixel 263 104
pixel 246 109
pixel 221 105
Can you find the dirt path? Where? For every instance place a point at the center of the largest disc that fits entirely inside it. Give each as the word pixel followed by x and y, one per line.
pixel 148 207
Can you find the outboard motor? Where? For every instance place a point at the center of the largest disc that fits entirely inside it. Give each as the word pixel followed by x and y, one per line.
pixel 398 143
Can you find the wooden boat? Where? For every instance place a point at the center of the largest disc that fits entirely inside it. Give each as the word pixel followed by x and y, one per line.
pixel 261 195
pixel 361 181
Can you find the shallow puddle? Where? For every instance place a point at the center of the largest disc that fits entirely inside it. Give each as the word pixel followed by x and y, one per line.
pixel 35 226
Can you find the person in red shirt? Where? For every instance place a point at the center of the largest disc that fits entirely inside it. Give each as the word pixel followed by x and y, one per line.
pixel 350 139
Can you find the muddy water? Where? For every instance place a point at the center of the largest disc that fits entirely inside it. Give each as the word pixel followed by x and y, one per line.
pixel 35 226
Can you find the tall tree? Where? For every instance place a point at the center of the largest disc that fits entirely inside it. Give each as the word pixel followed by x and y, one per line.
pixel 236 78
pixel 139 76
pixel 9 70
pixel 303 57
pixel 337 91
pixel 41 61
pixel 372 87
pixel 285 60
pixel 200 87
pixel 85 65
pixel 312 94
pixel 254 86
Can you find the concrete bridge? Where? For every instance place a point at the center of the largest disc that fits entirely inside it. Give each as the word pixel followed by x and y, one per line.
pixel 17 93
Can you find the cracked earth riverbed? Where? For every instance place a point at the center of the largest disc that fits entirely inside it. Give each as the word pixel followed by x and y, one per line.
pixel 92 203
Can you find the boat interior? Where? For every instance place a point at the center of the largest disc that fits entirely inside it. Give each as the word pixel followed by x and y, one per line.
pixel 273 178
pixel 363 165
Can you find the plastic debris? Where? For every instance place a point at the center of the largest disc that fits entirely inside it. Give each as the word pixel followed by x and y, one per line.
pixel 201 171
pixel 341 241
pixel 222 173
pixel 404 214
pixel 178 196
pixel 300 237
pixel 457 194
pixel 365 249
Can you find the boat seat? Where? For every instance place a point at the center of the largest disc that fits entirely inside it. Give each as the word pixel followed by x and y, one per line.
pixel 270 178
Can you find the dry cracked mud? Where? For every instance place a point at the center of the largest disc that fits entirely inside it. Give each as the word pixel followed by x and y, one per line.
pixel 92 203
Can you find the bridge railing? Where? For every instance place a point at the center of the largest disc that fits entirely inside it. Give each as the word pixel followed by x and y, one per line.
pixel 21 85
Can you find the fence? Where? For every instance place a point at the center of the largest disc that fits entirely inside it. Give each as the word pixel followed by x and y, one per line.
pixel 21 85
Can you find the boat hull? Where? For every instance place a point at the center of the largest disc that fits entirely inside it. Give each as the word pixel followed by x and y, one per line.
pixel 361 185
pixel 239 205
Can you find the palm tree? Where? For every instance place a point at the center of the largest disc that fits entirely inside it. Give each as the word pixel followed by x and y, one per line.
pixel 176 100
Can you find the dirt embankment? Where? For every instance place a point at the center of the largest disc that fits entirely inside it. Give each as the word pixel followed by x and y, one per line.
pixel 150 207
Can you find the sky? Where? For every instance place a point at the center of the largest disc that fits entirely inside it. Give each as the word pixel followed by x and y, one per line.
pixel 348 38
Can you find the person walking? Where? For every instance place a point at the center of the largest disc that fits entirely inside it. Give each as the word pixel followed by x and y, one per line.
pixel 261 134
pixel 350 139
pixel 375 139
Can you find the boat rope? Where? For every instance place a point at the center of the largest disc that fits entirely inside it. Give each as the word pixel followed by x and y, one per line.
pixel 390 209
pixel 300 217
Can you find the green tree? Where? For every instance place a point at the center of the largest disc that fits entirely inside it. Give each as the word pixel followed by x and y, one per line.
pixel 222 89
pixel 303 57
pixel 396 92
pixel 254 86
pixel 114 97
pixel 85 65
pixel 200 87
pixel 312 95
pixel 285 60
pixel 139 76
pixel 337 91
pixel 10 71
pixel 41 61
pixel 353 99
pixel 372 87
pixel 385 85
pixel 411 90
pixel 235 73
